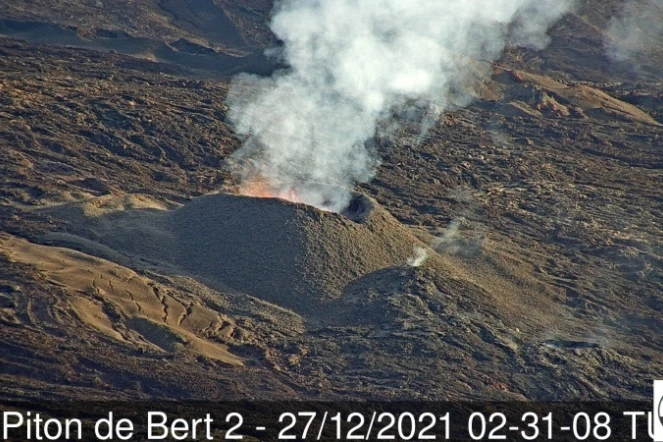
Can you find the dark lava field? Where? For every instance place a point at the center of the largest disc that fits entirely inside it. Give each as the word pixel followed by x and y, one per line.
pixel 127 272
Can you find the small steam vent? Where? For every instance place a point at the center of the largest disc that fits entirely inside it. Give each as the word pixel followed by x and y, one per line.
pixel 359 208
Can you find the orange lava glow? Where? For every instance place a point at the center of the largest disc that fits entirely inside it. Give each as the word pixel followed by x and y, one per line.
pixel 258 188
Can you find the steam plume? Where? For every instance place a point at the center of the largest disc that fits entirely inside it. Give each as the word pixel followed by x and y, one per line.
pixel 636 31
pixel 352 63
pixel 418 258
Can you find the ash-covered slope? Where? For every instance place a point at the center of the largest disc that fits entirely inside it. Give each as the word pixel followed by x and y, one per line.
pixel 216 23
pixel 215 36
pixel 293 255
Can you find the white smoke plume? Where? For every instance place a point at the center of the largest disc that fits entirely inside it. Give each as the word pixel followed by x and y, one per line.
pixel 453 241
pixel 418 258
pixel 637 30
pixel 352 64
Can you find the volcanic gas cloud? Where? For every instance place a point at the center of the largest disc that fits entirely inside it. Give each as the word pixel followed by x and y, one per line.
pixel 351 65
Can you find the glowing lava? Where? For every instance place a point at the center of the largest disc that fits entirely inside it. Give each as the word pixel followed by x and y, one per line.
pixel 322 196
pixel 258 188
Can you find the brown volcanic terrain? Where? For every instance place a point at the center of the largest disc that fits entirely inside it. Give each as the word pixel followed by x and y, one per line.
pixel 123 275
